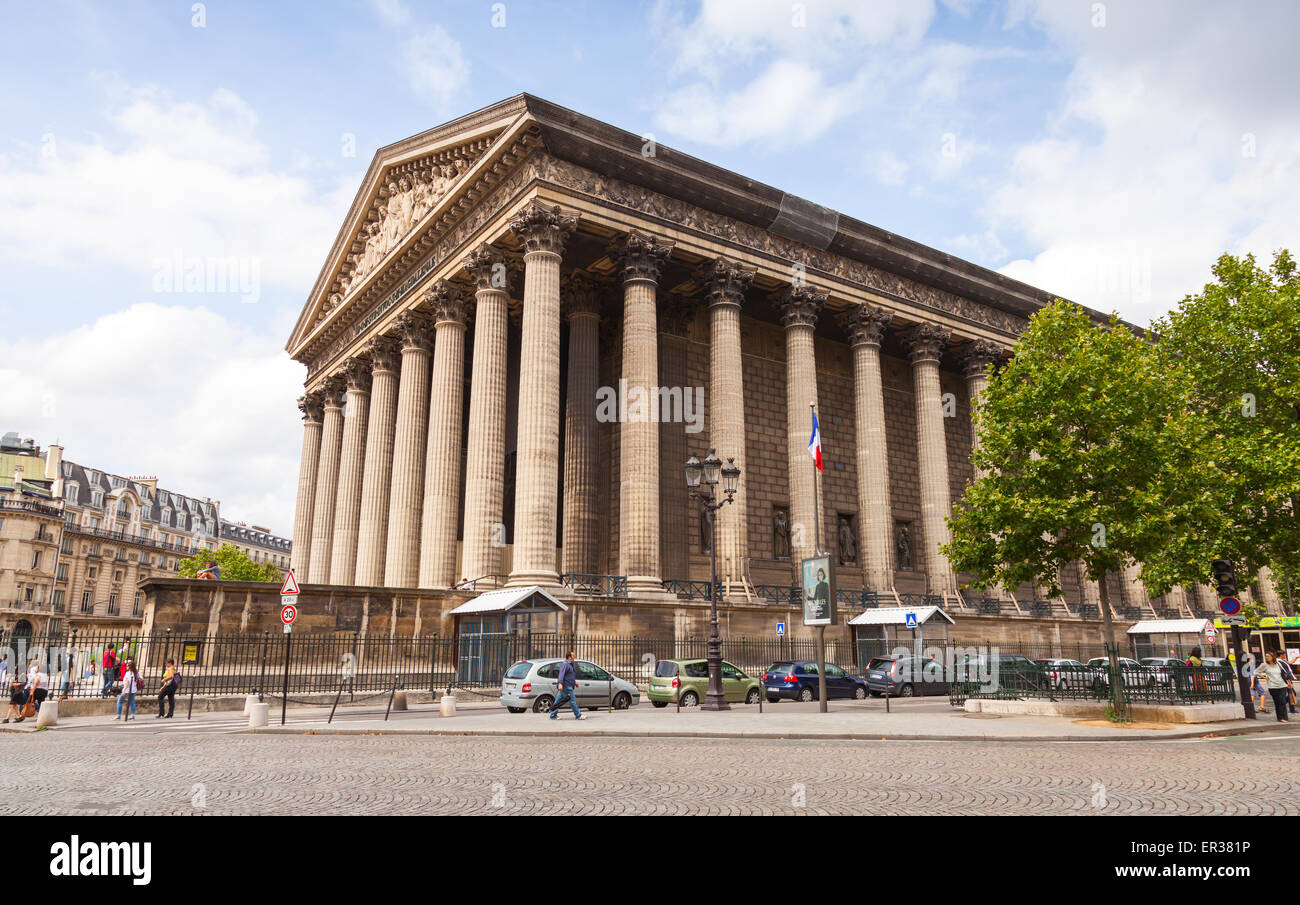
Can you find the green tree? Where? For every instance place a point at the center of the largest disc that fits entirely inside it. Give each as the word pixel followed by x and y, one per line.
pixel 1231 356
pixel 1072 438
pixel 235 565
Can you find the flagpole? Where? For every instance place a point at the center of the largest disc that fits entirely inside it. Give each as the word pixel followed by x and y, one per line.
pixel 817 520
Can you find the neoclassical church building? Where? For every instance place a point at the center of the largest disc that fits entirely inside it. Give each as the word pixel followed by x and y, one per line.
pixel 531 319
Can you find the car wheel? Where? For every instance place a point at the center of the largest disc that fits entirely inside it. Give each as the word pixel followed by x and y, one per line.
pixel 542 704
pixel 516 709
pixel 660 703
pixel 906 691
pixel 689 699
pixel 859 693
pixel 622 701
pixel 752 696
pixel 806 694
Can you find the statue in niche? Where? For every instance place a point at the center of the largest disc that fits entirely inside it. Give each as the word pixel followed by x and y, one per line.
pixel 903 547
pixel 780 533
pixel 847 542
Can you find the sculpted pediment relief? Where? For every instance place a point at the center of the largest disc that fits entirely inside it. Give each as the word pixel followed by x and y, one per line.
pixel 406 193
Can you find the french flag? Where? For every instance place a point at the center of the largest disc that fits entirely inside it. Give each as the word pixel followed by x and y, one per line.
pixel 815 443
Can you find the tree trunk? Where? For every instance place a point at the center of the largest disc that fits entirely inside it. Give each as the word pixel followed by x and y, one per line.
pixel 1112 647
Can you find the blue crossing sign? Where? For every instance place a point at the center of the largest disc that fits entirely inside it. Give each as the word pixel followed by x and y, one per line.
pixel 780 629
pixel 911 620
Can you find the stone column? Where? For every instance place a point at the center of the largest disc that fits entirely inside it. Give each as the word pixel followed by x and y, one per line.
pixel 800 307
pixel 1269 593
pixel 976 359
pixel 485 466
pixel 638 465
pixel 310 405
pixel 725 283
pixel 926 343
pixel 347 508
pixel 378 474
pixel 1178 599
pixel 581 545
pixel 537 470
pixel 1090 591
pixel 1132 590
pixel 675 316
pixel 327 476
pixel 442 464
pixel 865 326
pixel 406 494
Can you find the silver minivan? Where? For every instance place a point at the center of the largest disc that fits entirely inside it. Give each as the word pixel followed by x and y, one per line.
pixel 532 684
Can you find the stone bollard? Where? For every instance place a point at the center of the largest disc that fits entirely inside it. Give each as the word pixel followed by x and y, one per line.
pixel 447 706
pixel 399 701
pixel 249 701
pixel 258 715
pixel 48 715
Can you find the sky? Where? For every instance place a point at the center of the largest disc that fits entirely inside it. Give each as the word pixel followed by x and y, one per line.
pixel 1105 152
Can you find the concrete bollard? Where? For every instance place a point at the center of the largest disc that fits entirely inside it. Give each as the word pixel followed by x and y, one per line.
pixel 258 715
pixel 48 715
pixel 447 706
pixel 399 701
pixel 249 701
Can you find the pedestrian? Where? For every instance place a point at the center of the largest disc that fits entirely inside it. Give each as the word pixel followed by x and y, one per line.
pixel 167 691
pixel 110 670
pixel 1288 673
pixel 567 684
pixel 1275 681
pixel 38 685
pixel 130 685
pixel 4 668
pixel 17 698
pixel 1194 658
pixel 1258 691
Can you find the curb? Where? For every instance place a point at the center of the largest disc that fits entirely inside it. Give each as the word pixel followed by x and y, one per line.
pixel 788 736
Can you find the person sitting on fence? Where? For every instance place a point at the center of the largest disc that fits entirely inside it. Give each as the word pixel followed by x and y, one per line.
pixel 167 691
pixel 130 685
pixel 17 698
pixel 211 573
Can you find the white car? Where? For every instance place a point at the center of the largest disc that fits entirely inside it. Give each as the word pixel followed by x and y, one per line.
pixel 533 684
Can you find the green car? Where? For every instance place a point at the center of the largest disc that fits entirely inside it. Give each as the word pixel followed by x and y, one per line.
pixel 690 678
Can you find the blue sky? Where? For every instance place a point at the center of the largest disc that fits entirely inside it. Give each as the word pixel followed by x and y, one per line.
pixel 1107 152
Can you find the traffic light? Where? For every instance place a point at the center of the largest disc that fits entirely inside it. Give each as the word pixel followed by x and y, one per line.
pixel 1226 577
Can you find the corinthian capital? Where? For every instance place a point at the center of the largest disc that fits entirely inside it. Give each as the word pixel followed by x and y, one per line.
pixel 725 282
pixel 311 406
pixel 414 331
pixel 978 354
pixel 356 373
pixel 865 324
pixel 642 257
pixel 581 296
pixel 446 304
pixel 926 341
pixel 333 390
pixel 800 305
pixel 385 354
pixel 543 228
pixel 488 268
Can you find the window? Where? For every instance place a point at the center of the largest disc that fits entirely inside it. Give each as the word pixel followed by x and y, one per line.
pixel 94 550
pixel 112 603
pixel 63 571
pixel 123 510
pixel 90 572
pixel 27 593
pixel 135 605
pixel 730 672
pixel 591 672
pixel 117 575
pixel 36 560
pixel 58 600
pixel 166 518
pixel 145 559
pixel 97 499
pixel 834 672
pixel 70 492
pixel 85 601
pixel 116 483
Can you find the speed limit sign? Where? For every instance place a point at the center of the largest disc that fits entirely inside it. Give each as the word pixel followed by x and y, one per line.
pixel 288 613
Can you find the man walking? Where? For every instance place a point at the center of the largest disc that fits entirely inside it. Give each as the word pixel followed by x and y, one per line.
pixel 567 682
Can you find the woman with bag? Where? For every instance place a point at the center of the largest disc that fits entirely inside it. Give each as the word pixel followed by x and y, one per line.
pixel 17 698
pixel 1288 673
pixel 1270 672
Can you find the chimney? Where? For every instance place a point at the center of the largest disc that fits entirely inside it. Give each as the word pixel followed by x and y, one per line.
pixel 54 469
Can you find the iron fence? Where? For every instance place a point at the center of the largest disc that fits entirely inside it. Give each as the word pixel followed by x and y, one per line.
pixel 1023 679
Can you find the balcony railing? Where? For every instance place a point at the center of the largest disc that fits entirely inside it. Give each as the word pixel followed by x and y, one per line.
pixel 29 506
pixel 140 539
pixel 595 585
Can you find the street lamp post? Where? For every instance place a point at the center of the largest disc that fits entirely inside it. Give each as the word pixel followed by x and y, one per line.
pixel 708 472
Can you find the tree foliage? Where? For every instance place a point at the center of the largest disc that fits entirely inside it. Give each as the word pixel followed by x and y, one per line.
pixel 235 565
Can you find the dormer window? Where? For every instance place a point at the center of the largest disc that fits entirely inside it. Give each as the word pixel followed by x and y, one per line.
pixel 97 499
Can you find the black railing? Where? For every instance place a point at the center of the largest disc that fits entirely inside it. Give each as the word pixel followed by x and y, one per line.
pixel 139 539
pixel 595 585
pixel 1001 678
pixel 29 506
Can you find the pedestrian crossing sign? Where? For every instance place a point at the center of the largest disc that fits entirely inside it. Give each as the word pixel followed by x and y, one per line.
pixel 911 620
pixel 780 629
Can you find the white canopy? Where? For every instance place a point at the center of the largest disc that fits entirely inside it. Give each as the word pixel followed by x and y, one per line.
pixel 1169 627
pixel 897 615
pixel 503 599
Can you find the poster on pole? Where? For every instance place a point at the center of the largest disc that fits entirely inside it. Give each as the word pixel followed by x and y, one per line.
pixel 818 589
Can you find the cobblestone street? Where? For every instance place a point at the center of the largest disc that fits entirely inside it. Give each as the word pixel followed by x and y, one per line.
pixel 203 769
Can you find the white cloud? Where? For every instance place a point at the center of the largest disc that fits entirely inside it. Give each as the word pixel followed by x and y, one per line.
pixel 169 178
pixel 182 393
pixel 1141 181
pixel 435 66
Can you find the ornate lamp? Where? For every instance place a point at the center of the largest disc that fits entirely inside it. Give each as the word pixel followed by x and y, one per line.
pixel 730 477
pixel 693 472
pixel 712 465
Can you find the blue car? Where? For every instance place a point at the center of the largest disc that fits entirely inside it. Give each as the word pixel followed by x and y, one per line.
pixel 796 680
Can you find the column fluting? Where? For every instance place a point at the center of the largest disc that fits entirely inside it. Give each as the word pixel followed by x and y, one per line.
pixel 309 463
pixel 581 541
pixel 866 326
pixel 376 479
pixel 406 494
pixel 327 486
pixel 347 508
pixel 800 307
pixel 926 343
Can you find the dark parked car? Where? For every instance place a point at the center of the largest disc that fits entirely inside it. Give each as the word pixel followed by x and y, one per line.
pixel 797 681
pixel 905 677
